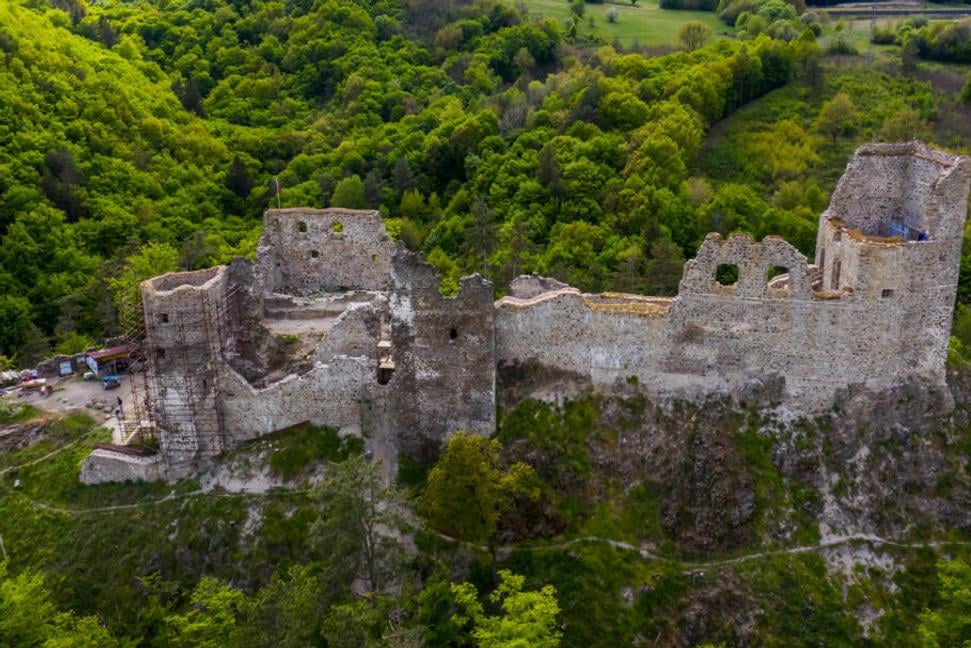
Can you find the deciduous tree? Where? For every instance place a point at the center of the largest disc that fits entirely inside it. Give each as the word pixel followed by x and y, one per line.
pixel 836 116
pixel 467 490
pixel 693 35
pixel 527 618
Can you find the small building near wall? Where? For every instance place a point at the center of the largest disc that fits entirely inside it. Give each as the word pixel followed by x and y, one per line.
pixel 113 360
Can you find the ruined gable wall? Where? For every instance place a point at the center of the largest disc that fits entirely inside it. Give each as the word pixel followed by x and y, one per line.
pixel 871 190
pixel 819 345
pixel 308 251
pixel 356 333
pixel 444 354
pixel 244 336
pixel 329 395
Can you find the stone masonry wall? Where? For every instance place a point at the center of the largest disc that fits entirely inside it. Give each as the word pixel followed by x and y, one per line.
pixel 872 311
pixel 308 251
pixel 182 316
pixel 444 354
pixel 104 465
pixel 327 395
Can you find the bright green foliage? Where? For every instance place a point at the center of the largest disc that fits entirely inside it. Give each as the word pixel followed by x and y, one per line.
pixel 211 618
pixel 948 623
pixel 152 260
pixel 73 342
pixel 189 113
pixel 296 449
pixel 836 116
pixel 959 350
pixel 349 193
pixel 965 95
pixel 528 619
pixel 353 625
pixel 29 618
pixel 286 612
pixel 467 491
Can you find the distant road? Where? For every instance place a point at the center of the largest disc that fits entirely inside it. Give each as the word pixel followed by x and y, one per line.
pixel 857 10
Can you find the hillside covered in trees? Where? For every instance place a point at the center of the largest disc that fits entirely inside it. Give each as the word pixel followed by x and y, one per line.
pixel 143 136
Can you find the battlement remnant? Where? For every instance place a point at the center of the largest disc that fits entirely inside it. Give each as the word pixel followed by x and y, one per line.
pixel 336 325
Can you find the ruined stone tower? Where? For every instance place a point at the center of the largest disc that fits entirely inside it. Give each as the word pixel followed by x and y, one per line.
pixel 891 242
pixel 335 325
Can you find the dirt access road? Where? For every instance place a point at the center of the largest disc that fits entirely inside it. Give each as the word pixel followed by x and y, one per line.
pixel 72 394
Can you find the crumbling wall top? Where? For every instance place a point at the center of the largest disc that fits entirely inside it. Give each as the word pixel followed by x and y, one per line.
pixel 309 251
pixel 175 280
pixel 907 190
pixel 755 265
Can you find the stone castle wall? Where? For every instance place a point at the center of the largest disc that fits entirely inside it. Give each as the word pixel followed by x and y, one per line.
pixel 877 309
pixel 444 354
pixel 307 251
pixel 327 395
pixel 183 340
pixel 400 362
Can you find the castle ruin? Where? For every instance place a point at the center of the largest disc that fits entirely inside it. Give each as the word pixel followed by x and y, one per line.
pixel 336 325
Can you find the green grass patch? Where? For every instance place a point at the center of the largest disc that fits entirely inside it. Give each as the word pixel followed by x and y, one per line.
pixel 11 413
pixel 57 434
pixel 633 517
pixel 775 496
pixel 647 23
pixel 562 431
pixel 801 605
pixel 297 448
pixel 94 556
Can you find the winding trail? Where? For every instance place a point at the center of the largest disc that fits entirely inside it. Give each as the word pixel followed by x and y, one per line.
pixel 45 457
pixel 503 551
pixel 171 497
pixel 693 566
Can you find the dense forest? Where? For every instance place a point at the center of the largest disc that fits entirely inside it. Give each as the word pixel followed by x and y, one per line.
pixel 144 136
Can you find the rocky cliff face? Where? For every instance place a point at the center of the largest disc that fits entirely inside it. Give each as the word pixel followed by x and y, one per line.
pixel 730 473
pixel 704 483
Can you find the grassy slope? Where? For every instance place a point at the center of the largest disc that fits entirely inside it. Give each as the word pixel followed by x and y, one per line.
pixel 646 23
pixel 94 559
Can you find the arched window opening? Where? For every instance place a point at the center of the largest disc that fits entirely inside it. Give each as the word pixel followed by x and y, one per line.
pixel 302 227
pixel 726 274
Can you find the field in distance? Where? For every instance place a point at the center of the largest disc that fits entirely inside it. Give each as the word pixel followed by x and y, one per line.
pixel 646 23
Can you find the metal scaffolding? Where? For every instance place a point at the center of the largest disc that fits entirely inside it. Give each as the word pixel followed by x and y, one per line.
pixel 146 410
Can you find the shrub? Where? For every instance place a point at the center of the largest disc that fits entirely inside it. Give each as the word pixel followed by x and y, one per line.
pixel 612 15
pixel 840 46
pixel 965 95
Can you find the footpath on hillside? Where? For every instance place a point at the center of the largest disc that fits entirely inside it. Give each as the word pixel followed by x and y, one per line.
pixel 502 552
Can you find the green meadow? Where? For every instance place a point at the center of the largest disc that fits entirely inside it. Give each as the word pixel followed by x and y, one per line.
pixel 645 23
